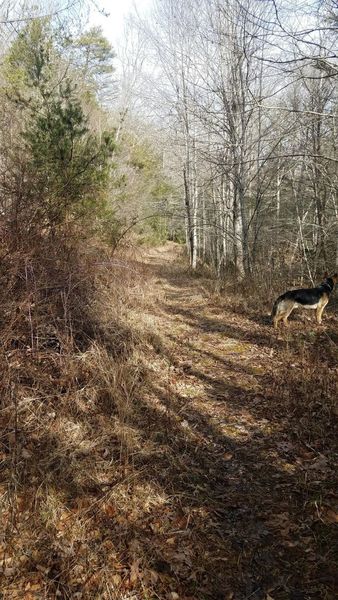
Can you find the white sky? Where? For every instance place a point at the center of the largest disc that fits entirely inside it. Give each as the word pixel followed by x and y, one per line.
pixel 113 25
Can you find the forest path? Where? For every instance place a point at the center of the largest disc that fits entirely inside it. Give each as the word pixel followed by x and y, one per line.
pixel 241 520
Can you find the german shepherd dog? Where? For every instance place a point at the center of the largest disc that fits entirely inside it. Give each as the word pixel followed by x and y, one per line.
pixel 312 298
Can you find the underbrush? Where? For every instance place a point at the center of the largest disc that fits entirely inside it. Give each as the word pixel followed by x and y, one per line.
pixel 70 370
pixel 259 290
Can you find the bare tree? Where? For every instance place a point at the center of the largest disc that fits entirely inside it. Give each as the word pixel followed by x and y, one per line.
pixel 247 98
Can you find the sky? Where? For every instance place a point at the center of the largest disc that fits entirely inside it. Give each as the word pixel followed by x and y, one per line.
pixel 113 25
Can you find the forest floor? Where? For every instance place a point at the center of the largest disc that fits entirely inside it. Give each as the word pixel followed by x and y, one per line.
pixel 250 496
pixel 225 480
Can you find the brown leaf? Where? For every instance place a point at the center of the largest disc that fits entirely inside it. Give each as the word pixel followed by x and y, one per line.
pixel 227 456
pixel 330 516
pixel 8 571
pixel 171 541
pixel 35 587
pixel 116 579
pixel 134 571
pixel 319 464
pixel 154 576
pixel 109 510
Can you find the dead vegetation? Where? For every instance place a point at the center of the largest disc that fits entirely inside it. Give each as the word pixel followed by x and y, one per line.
pixel 68 373
pixel 158 439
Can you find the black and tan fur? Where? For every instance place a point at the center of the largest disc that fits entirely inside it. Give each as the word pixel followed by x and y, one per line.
pixel 311 298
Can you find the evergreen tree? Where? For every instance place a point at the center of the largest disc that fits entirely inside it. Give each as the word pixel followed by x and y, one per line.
pixel 68 164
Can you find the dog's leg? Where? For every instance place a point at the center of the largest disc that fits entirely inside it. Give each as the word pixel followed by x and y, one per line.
pixel 275 322
pixel 319 313
pixel 278 317
pixel 286 315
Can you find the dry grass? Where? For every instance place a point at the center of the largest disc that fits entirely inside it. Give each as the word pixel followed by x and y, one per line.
pixel 70 371
pixel 159 440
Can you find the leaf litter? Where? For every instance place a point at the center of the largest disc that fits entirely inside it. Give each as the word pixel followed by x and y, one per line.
pixel 219 482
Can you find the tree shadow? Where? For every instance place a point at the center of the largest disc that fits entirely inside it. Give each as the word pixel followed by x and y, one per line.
pixel 236 517
pixel 251 496
pixel 241 333
pixel 201 489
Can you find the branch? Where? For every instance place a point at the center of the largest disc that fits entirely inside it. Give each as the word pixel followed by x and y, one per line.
pixel 46 15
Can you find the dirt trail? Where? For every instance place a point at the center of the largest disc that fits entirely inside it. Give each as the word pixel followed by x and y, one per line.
pixel 185 453
pixel 242 515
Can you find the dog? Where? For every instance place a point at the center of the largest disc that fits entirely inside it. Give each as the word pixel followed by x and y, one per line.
pixel 312 298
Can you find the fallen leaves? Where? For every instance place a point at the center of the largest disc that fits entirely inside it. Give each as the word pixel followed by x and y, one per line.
pixel 109 509
pixel 331 516
pixel 227 456
pixel 135 571
pixel 320 463
pixel 213 485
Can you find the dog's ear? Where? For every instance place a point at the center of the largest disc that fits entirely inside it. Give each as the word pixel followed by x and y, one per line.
pixel 335 277
pixel 326 275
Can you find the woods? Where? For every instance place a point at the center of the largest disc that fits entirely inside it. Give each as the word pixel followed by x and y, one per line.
pixel 159 439
pixel 239 101
pixel 247 92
